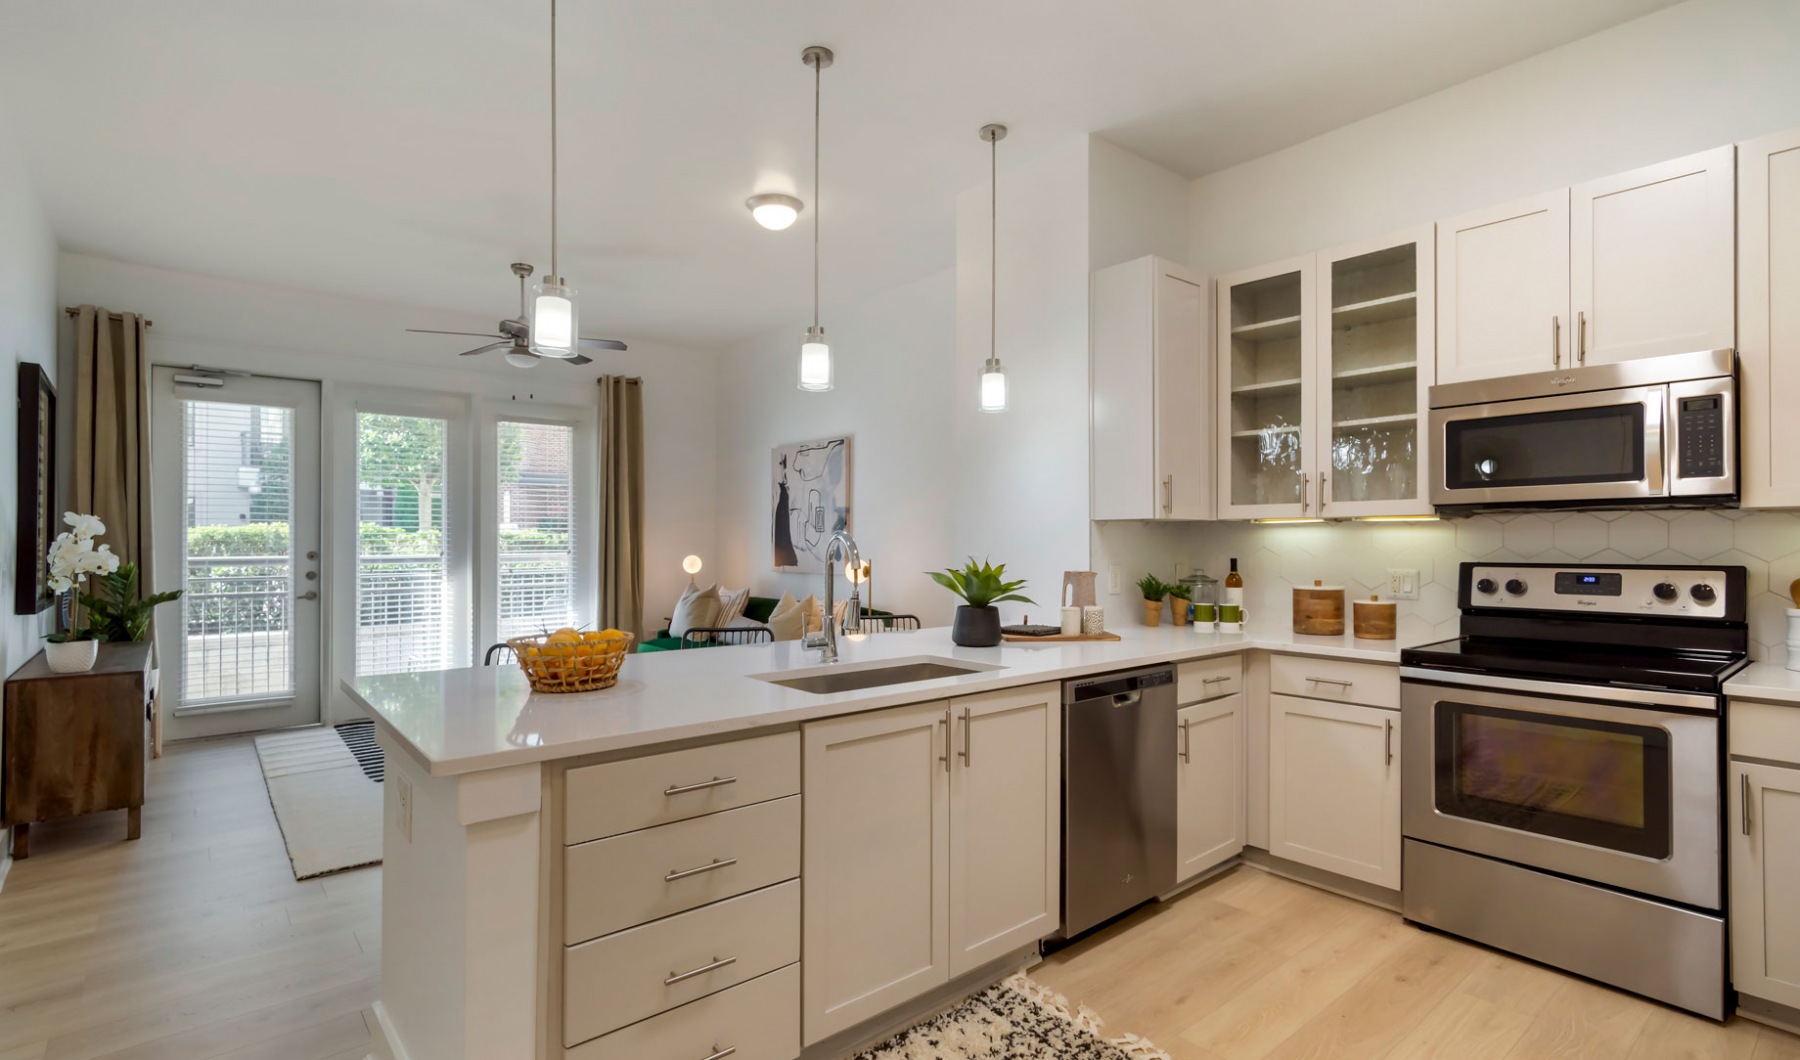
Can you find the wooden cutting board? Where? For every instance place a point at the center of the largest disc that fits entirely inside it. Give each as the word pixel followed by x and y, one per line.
pixel 1055 638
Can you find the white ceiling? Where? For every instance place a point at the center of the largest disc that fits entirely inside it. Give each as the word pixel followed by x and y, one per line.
pixel 397 149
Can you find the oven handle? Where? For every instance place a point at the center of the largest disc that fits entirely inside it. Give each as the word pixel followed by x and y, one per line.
pixel 1640 697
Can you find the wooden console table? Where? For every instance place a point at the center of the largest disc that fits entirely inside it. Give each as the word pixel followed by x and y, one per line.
pixel 74 743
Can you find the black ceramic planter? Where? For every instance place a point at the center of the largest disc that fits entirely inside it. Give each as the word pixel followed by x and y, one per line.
pixel 976 627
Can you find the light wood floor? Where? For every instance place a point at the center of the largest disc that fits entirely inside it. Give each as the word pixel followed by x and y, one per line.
pixel 1253 965
pixel 195 943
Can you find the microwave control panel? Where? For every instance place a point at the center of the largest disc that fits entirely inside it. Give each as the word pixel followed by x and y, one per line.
pixel 1702 434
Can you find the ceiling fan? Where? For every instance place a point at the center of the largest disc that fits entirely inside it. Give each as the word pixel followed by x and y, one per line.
pixel 515 334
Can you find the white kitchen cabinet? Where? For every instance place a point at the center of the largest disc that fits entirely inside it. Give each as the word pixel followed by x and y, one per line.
pixel 1334 787
pixel 1266 342
pixel 1652 262
pixel 1769 318
pixel 876 861
pixel 1152 392
pixel 1764 831
pixel 1503 290
pixel 1209 784
pixel 1005 823
pixel 1376 333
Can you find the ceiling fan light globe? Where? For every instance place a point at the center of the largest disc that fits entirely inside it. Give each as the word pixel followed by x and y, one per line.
pixel 774 211
pixel 521 359
pixel 554 325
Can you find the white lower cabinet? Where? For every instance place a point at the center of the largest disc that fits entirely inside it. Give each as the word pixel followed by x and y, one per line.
pixel 1209 785
pixel 1764 830
pixel 932 845
pixel 1334 787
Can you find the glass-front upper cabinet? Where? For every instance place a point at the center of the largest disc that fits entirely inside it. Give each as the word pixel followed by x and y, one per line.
pixel 1266 391
pixel 1376 328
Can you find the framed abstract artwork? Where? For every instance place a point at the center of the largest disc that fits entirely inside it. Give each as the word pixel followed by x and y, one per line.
pixel 810 490
pixel 37 490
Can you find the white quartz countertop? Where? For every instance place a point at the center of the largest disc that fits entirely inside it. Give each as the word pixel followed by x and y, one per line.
pixel 1765 681
pixel 463 721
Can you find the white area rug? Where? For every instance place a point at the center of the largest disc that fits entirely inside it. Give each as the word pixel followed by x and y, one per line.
pixel 328 808
pixel 1016 1020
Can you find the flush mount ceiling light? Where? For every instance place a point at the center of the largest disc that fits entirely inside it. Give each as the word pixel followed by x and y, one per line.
pixel 993 376
pixel 555 322
pixel 815 354
pixel 774 210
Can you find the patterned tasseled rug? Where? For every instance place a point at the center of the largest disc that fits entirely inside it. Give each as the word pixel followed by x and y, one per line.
pixel 1016 1020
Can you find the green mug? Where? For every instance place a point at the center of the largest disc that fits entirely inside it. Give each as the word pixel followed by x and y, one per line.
pixel 1231 613
pixel 1206 614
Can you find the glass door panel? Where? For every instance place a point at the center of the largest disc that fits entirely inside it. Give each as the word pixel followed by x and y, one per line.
pixel 1266 380
pixel 1372 359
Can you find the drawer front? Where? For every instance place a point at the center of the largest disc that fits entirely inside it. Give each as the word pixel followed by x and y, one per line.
pixel 1209 679
pixel 1335 680
pixel 1764 730
pixel 759 1020
pixel 616 797
pixel 612 884
pixel 623 978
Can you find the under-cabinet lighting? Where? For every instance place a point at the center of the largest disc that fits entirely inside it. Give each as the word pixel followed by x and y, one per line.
pixel 1397 519
pixel 1285 522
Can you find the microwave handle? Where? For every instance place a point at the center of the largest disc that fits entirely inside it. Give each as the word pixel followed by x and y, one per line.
pixel 1654 442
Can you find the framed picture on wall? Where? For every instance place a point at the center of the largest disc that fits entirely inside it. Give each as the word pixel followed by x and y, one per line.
pixel 810 490
pixel 37 490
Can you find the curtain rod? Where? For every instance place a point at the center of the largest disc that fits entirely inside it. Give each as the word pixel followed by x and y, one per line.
pixel 76 311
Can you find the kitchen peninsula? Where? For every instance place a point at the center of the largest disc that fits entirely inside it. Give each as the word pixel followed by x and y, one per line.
pixel 525 836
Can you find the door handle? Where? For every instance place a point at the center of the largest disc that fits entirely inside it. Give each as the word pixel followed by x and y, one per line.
pixel 310 594
pixel 967 729
pixel 1744 800
pixel 1581 337
pixel 1388 737
pixel 1556 341
pixel 1187 740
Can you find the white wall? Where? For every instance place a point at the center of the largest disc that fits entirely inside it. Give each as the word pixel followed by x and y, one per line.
pixel 1690 77
pixel 27 333
pixel 354 346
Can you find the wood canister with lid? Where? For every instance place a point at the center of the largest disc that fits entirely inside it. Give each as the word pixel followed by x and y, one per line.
pixel 1375 619
pixel 1319 610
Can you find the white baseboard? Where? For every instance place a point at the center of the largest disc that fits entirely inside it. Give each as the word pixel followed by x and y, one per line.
pixel 387 1041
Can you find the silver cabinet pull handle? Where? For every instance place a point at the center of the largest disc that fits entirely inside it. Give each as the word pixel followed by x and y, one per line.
pixel 1388 736
pixel 1324 489
pixel 1581 337
pixel 1305 491
pixel 1187 740
pixel 720 1054
pixel 1168 493
pixel 1556 341
pixel 967 729
pixel 1216 680
pixel 945 722
pixel 683 789
pixel 1331 681
pixel 1744 798
pixel 713 866
pixel 717 963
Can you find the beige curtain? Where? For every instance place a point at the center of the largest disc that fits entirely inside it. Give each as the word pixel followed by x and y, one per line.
pixel 622 503
pixel 111 472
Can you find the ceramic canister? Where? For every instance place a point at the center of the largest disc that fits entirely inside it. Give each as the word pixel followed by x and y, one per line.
pixel 1093 620
pixel 1071 621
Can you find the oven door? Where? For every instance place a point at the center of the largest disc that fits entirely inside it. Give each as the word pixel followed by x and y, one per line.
pixel 1600 446
pixel 1618 787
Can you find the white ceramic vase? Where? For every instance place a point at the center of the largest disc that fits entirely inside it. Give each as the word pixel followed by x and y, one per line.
pixel 71 656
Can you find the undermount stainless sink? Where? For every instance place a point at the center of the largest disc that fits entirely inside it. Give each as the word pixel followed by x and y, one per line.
pixel 823 680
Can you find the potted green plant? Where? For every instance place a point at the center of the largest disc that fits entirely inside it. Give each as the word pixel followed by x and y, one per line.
pixel 73 556
pixel 1154 590
pixel 981 586
pixel 115 613
pixel 1180 598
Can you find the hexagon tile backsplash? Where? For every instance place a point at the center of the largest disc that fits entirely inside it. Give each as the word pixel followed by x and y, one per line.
pixel 1275 558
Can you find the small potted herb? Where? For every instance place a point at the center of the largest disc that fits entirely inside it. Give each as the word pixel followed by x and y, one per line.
pixel 1180 601
pixel 981 585
pixel 1154 590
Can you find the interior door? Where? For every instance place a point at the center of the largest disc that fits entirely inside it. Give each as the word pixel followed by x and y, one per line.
pixel 1503 290
pixel 236 473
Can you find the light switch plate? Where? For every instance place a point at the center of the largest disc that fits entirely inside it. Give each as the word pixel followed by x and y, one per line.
pixel 1112 580
pixel 1403 584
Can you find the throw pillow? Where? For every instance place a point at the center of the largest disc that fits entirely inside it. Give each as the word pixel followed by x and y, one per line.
pixel 697 607
pixel 731 605
pixel 787 620
pixel 815 613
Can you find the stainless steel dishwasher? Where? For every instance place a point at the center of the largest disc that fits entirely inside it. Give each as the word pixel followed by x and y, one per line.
pixel 1118 794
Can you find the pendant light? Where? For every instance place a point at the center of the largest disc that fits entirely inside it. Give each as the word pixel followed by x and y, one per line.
pixel 815 354
pixel 555 324
pixel 993 376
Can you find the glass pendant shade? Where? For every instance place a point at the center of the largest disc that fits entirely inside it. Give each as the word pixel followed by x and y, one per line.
pixel 554 325
pixel 815 361
pixel 993 386
pixel 521 359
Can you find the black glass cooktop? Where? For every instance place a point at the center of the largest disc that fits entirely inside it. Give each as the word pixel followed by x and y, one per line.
pixel 1601 664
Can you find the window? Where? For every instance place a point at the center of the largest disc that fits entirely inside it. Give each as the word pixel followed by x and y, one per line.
pixel 536 560
pixel 404 602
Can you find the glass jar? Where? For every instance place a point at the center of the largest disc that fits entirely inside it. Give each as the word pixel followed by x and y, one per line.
pixel 1205 594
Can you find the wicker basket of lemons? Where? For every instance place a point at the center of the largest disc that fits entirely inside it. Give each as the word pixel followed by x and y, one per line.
pixel 569 660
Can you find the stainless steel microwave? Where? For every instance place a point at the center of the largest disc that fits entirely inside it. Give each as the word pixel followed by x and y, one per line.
pixel 1656 432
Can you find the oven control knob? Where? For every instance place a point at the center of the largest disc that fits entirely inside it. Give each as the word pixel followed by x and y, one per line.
pixel 1487 587
pixel 1703 593
pixel 1666 592
pixel 1515 586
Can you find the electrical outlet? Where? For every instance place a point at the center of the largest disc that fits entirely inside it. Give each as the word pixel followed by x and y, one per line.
pixel 1112 580
pixel 1403 584
pixel 403 795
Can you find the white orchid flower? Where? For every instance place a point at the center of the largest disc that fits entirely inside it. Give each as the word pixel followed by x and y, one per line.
pixel 84 525
pixel 60 584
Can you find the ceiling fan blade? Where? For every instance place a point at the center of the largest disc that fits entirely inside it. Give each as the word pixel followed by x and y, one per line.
pixel 470 334
pixel 484 349
pixel 579 359
pixel 606 344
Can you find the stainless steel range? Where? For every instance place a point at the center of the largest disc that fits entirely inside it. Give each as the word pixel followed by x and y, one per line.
pixel 1562 786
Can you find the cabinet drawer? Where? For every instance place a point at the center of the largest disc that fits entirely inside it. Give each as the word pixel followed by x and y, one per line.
pixel 1764 730
pixel 1209 678
pixel 617 797
pixel 1335 680
pixel 623 978
pixel 612 884
pixel 759 1019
